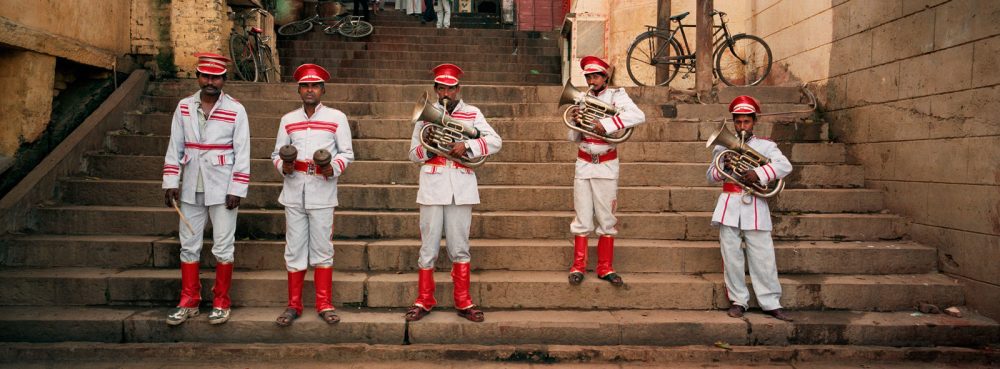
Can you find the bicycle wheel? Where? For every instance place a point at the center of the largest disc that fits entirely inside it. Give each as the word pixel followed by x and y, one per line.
pixel 267 70
pixel 648 62
pixel 244 60
pixel 355 30
pixel 745 62
pixel 296 28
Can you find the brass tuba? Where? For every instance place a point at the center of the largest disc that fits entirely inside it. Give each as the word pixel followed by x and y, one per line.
pixel 740 159
pixel 443 130
pixel 591 109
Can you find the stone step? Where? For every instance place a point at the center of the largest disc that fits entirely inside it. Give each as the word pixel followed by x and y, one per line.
pixel 489 289
pixel 457 46
pixel 516 151
pixel 428 55
pixel 490 109
pixel 550 328
pixel 631 256
pixel 316 40
pixel 522 76
pixel 748 353
pixel 416 29
pixel 455 25
pixel 367 92
pixel 492 173
pixel 85 191
pixel 546 128
pixel 418 66
pixel 258 223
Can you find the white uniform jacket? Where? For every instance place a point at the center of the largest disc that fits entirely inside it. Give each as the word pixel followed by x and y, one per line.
pixel 326 129
pixel 446 183
pixel 730 209
pixel 222 155
pixel 629 116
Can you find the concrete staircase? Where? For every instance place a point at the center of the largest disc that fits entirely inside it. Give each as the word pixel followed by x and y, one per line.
pixel 100 264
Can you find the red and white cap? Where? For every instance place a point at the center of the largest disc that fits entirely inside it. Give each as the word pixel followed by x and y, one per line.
pixel 311 73
pixel 209 63
pixel 744 105
pixel 447 74
pixel 592 64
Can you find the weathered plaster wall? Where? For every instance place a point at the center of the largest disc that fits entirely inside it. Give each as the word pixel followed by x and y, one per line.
pixel 912 87
pixel 26 87
pixel 197 26
pixel 102 24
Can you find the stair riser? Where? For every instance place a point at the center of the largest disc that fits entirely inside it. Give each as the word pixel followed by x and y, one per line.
pixel 694 258
pixel 316 41
pixel 548 174
pixel 520 129
pixel 665 226
pixel 471 78
pixel 265 195
pixel 391 291
pixel 484 48
pixel 504 328
pixel 380 65
pixel 513 151
pixel 437 57
pixel 470 69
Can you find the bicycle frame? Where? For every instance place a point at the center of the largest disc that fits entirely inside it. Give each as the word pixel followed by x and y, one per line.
pixel 687 58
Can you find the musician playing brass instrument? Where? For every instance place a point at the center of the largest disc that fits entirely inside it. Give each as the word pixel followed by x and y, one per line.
pixel 595 184
pixel 744 216
pixel 448 187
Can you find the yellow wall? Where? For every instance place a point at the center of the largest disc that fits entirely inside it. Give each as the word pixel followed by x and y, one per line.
pixel 912 87
pixel 100 23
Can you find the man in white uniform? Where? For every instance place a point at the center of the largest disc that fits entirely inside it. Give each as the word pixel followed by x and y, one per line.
pixel 448 189
pixel 209 146
pixel 595 187
pixel 309 193
pixel 443 8
pixel 744 217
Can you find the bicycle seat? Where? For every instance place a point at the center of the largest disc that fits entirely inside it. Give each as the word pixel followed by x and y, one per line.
pixel 680 16
pixel 256 30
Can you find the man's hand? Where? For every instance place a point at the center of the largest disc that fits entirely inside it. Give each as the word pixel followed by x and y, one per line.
pixel 287 167
pixel 458 149
pixel 751 177
pixel 326 171
pixel 232 202
pixel 170 196
pixel 598 127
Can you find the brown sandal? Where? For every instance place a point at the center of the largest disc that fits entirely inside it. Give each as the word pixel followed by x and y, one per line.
pixel 287 317
pixel 472 314
pixel 416 313
pixel 329 316
pixel 575 278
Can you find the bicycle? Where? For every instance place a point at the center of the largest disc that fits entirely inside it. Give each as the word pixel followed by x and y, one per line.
pixel 347 25
pixel 249 50
pixel 655 57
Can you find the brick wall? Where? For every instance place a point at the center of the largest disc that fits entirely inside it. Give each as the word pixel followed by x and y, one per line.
pixel 197 26
pixel 912 87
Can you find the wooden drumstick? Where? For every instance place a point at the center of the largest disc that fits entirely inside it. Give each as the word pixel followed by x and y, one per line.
pixel 183 219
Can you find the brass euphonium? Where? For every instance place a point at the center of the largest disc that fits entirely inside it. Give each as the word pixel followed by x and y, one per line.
pixel 443 130
pixel 590 109
pixel 740 159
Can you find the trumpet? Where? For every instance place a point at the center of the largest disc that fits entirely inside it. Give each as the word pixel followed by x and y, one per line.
pixel 739 159
pixel 590 109
pixel 442 131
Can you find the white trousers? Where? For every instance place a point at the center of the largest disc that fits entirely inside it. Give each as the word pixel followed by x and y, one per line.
pixel 596 196
pixel 443 8
pixel 763 270
pixel 308 236
pixel 223 229
pixel 455 221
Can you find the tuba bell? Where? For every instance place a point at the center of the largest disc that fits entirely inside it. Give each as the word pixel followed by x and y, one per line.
pixel 591 109
pixel 442 130
pixel 740 159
